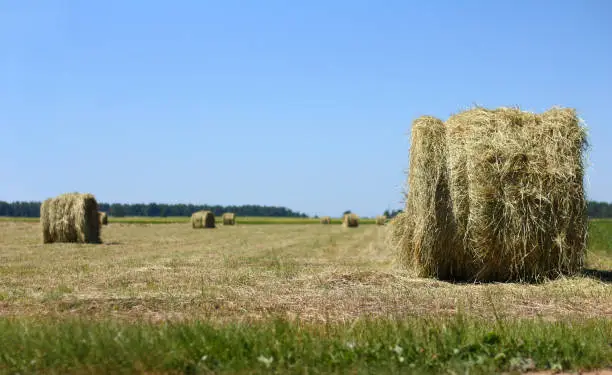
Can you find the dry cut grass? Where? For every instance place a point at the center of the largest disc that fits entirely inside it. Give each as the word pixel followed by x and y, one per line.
pixel 242 273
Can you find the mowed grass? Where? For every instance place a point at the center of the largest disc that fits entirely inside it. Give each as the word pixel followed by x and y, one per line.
pixel 281 298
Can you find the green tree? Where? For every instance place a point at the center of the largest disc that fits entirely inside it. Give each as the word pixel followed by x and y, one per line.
pixel 117 210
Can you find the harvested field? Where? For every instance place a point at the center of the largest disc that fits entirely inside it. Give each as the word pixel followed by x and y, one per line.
pixel 247 299
pixel 316 273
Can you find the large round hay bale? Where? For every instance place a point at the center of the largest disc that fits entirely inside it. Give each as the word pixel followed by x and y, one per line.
pixel 350 221
pixel 71 217
pixel 381 220
pixel 103 218
pixel 229 218
pixel 202 219
pixel 325 220
pixel 424 234
pixel 517 190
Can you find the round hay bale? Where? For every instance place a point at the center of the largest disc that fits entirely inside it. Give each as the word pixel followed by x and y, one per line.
pixel 325 220
pixel 381 220
pixel 350 221
pixel 516 183
pixel 103 218
pixel 229 218
pixel 424 233
pixel 202 219
pixel 71 217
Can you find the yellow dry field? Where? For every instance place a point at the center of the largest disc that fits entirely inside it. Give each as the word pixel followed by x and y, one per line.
pixel 252 272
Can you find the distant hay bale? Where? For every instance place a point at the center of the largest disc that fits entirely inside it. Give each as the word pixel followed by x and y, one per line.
pixel 326 220
pixel 381 220
pixel 229 218
pixel 71 217
pixel 103 218
pixel 495 195
pixel 202 219
pixel 350 221
pixel 517 187
pixel 423 232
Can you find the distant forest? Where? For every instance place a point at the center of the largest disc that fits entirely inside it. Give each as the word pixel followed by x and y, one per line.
pixel 32 209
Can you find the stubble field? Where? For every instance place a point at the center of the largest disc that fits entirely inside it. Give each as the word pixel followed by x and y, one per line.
pixel 284 298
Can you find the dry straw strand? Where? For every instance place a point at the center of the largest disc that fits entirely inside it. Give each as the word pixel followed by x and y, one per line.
pixel 71 217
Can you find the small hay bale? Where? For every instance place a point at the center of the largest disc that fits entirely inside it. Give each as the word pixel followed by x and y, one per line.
pixel 229 218
pixel 517 189
pixel 350 221
pixel 381 220
pixel 326 220
pixel 202 219
pixel 71 217
pixel 103 218
pixel 423 233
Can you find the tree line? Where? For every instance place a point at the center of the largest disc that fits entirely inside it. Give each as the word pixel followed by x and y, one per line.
pixel 600 210
pixel 32 209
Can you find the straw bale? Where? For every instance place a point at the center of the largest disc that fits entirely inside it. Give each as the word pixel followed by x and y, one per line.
pixel 350 220
pixel 70 217
pixel 424 232
pixel 202 219
pixel 495 195
pixel 229 218
pixel 325 220
pixel 517 190
pixel 103 218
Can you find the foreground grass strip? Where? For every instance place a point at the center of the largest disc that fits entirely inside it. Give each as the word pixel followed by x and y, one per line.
pixel 379 346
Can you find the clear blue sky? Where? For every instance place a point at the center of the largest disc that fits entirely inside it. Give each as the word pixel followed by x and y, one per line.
pixel 302 104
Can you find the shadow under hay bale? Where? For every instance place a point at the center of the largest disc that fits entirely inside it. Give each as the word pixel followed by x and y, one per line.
pixel 229 218
pixel 202 219
pixel 71 217
pixel 350 221
pixel 381 220
pixel 103 218
pixel 326 220
pixel 495 195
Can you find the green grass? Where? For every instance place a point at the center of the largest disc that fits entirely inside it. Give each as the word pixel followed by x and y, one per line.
pixel 418 345
pixel 599 253
pixel 19 219
pixel 600 235
pixel 183 219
